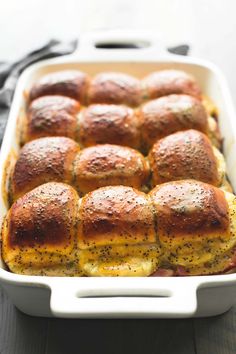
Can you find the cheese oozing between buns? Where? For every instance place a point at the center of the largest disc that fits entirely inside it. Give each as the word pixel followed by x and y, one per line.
pixel 196 227
pixel 117 235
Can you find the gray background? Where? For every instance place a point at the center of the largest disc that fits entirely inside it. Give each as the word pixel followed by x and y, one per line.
pixel 209 26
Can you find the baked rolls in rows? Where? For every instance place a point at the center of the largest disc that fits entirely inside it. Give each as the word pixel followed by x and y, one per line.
pixel 184 228
pixel 59 159
pixel 117 124
pixel 186 154
pixel 114 87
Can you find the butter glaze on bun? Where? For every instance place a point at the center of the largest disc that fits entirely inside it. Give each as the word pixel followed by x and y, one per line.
pixel 169 114
pixel 109 124
pixel 167 82
pixel 103 165
pixel 43 160
pixel 38 235
pixel 183 227
pixel 51 116
pixel 115 88
pixel 70 83
pixel 186 155
pixel 196 226
pixel 117 234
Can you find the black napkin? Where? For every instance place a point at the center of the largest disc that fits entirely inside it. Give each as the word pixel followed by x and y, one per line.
pixel 9 72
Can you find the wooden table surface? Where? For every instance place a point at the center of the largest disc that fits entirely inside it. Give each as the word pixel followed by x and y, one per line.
pixel 209 26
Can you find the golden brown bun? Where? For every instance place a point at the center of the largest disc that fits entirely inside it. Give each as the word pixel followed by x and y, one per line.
pixel 167 115
pixel 43 160
pixel 51 116
pixel 116 88
pixel 106 165
pixel 38 235
pixel 70 83
pixel 167 82
pixel 109 124
pixel 189 207
pixel 183 155
pixel 196 226
pixel 117 233
pixel 115 215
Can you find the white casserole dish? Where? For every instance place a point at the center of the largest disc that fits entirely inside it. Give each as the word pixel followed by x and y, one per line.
pixel 123 297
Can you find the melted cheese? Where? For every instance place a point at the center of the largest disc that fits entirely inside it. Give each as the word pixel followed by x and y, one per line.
pixel 58 270
pixel 209 106
pixel 221 166
pixel 199 255
pixel 213 132
pixel 120 260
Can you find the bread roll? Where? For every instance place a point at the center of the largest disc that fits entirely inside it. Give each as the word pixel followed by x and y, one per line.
pixel 167 115
pixel 51 116
pixel 184 227
pixel 196 226
pixel 186 154
pixel 104 165
pixel 117 233
pixel 39 232
pixel 43 160
pixel 70 83
pixel 115 88
pixel 109 124
pixel 167 82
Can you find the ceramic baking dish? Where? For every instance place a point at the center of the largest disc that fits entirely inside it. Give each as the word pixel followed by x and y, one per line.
pixel 154 297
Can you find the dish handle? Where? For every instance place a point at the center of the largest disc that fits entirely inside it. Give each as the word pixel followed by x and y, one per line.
pixel 123 298
pixel 120 42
